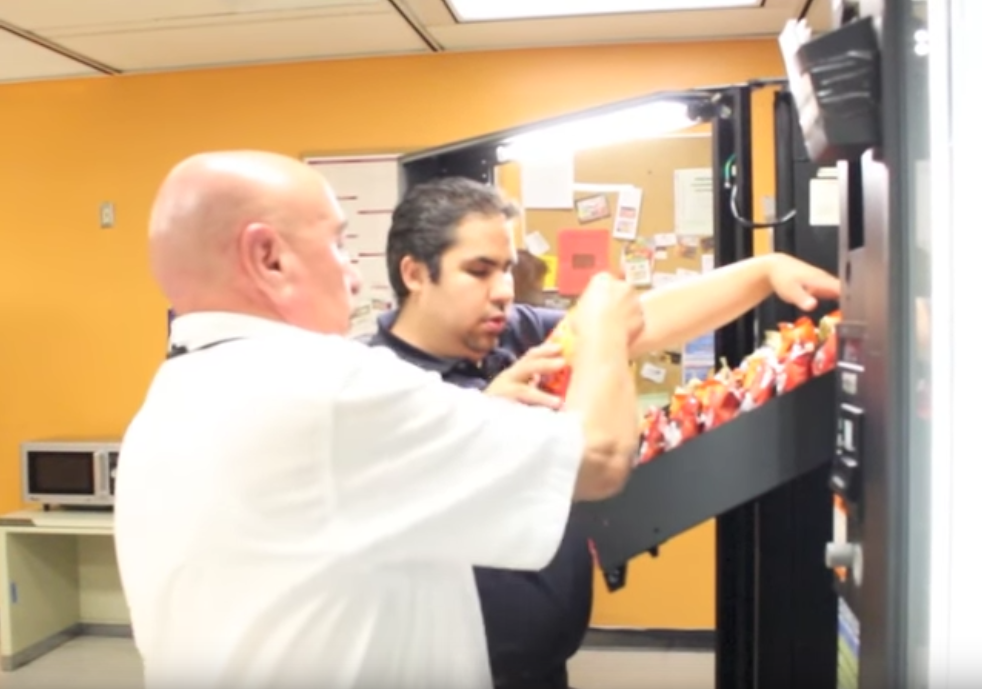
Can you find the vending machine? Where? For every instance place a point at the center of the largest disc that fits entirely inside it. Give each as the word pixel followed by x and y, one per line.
pixel 861 99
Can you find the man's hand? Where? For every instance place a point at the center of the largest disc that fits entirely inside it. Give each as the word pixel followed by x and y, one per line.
pixel 519 382
pixel 801 284
pixel 609 303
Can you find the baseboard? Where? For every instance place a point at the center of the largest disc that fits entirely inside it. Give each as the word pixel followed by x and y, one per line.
pixel 37 649
pixel 692 640
pixel 116 631
pixel 703 640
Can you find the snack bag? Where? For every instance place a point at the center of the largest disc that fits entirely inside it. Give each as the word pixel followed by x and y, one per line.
pixel 557 383
pixel 653 427
pixel 759 376
pixel 683 417
pixel 827 354
pixel 795 369
pixel 720 403
pixel 801 333
pixel 795 351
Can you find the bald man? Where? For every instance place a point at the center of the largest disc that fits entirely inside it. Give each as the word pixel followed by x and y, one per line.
pixel 295 509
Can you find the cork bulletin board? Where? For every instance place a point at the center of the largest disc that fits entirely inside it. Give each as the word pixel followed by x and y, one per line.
pixel 601 175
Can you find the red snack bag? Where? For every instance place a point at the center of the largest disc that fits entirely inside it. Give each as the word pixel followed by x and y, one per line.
pixel 796 369
pixel 557 383
pixel 683 416
pixel 720 403
pixel 653 427
pixel 802 333
pixel 759 377
pixel 828 351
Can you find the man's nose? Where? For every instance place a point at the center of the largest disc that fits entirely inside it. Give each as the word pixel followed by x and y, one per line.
pixel 503 291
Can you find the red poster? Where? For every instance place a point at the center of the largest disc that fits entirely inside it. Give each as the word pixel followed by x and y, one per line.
pixel 582 254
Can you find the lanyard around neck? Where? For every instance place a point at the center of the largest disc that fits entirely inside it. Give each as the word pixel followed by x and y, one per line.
pixel 176 351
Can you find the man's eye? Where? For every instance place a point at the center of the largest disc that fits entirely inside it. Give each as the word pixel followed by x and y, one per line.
pixel 479 272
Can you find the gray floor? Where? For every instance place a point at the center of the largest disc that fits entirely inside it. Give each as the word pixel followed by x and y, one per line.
pixel 104 663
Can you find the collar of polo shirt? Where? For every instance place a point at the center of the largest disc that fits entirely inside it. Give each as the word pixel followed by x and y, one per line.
pixel 196 330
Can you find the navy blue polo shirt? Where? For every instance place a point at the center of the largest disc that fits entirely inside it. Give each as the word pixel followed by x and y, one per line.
pixel 534 621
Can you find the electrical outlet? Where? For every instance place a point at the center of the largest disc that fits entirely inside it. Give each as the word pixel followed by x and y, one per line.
pixel 107 215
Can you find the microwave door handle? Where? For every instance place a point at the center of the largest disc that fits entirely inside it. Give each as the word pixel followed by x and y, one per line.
pixel 101 481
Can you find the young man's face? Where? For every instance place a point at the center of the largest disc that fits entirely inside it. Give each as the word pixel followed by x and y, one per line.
pixel 467 306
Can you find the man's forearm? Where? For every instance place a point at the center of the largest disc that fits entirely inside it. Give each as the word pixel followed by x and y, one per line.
pixel 701 305
pixel 602 392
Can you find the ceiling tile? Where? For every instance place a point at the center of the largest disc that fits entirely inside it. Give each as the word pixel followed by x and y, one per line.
pixel 249 42
pixel 45 15
pixel 22 60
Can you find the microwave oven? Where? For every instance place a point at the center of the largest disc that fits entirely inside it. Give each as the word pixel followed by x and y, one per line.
pixel 69 473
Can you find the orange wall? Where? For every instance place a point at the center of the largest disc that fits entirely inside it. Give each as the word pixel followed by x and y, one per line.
pixel 84 327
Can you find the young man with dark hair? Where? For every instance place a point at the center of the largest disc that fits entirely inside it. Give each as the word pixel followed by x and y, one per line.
pixel 450 256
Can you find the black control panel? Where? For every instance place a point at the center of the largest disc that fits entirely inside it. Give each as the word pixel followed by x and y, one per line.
pixel 844 553
pixel 847 466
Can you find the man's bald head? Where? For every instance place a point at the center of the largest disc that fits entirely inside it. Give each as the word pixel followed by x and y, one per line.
pixel 250 232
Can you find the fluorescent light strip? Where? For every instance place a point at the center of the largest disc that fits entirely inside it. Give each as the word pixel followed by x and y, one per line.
pixel 505 10
pixel 635 123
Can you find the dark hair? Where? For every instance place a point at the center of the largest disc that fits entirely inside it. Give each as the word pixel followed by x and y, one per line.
pixel 425 221
pixel 530 273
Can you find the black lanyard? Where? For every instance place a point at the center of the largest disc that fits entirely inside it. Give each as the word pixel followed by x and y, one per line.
pixel 180 350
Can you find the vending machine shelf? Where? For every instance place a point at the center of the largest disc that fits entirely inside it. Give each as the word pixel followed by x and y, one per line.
pixel 738 462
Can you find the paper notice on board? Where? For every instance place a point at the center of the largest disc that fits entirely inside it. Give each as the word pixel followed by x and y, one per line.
pixel 547 184
pixel 362 319
pixel 637 271
pixel 536 244
pixel 367 233
pixel 628 214
pixel 656 374
pixel 708 262
pixel 694 201
pixel 664 279
pixel 823 199
pixel 700 351
pixel 374 273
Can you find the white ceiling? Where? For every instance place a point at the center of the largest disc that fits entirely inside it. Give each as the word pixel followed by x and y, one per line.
pixel 42 39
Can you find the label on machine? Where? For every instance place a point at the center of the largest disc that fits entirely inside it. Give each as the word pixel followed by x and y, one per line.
pixel 848 671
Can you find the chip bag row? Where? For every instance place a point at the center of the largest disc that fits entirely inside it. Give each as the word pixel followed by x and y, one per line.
pixel 789 357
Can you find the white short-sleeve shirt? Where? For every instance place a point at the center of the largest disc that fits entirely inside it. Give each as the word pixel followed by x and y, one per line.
pixel 299 510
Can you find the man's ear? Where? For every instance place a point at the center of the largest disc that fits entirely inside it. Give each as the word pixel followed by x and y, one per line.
pixel 261 254
pixel 414 273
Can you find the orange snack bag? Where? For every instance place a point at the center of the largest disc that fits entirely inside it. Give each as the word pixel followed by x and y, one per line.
pixel 720 403
pixel 557 383
pixel 828 350
pixel 758 379
pixel 802 333
pixel 796 368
